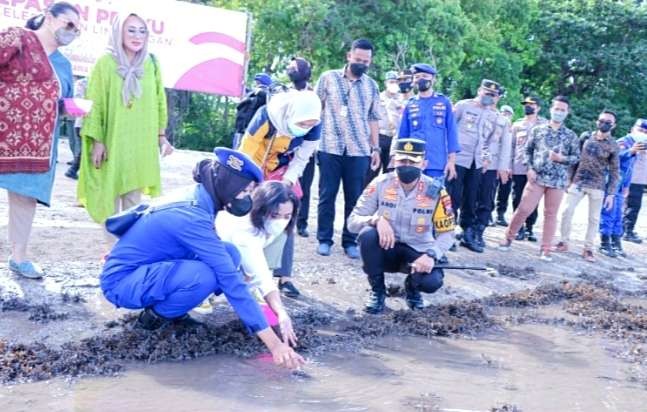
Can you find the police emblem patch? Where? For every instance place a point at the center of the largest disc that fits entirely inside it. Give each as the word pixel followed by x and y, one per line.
pixel 235 163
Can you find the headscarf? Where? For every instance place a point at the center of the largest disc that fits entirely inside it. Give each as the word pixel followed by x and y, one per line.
pixel 222 183
pixel 131 72
pixel 292 107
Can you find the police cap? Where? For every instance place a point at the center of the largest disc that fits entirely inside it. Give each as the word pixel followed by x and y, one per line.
pixel 423 68
pixel 531 100
pixel 491 86
pixel 506 108
pixel 410 149
pixel 239 163
pixel 641 124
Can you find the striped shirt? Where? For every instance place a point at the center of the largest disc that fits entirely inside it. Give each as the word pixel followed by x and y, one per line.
pixel 348 107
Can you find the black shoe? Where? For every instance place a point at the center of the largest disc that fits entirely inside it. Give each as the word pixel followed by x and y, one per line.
pixel 530 236
pixel 443 260
pixel 186 321
pixel 606 248
pixel 453 247
pixel 479 235
pixel 377 297
pixel 469 241
pixel 490 221
pixel 500 220
pixel 616 245
pixel 303 232
pixel 521 234
pixel 632 237
pixel 150 320
pixel 72 174
pixel 413 295
pixel 289 289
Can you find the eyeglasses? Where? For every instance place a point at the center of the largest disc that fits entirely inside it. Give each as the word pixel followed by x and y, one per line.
pixel 134 32
pixel 70 26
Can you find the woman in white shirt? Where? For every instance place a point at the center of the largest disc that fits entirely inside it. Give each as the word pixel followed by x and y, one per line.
pixel 260 237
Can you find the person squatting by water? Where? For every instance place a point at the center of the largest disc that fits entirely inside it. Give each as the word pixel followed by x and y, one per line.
pixel 395 216
pixel 171 258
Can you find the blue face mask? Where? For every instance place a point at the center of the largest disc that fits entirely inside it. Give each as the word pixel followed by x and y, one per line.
pixel 297 131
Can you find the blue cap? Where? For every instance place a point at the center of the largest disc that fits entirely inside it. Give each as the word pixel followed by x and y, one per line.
pixel 264 79
pixel 641 123
pixel 424 68
pixel 239 162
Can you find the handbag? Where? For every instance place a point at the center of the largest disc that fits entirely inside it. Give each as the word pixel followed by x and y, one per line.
pixel 120 223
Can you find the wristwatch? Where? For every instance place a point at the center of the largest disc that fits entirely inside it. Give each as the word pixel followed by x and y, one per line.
pixel 375 149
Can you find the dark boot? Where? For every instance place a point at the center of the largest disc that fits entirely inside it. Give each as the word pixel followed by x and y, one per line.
pixel 490 221
pixel 469 240
pixel 616 244
pixel 631 236
pixel 500 220
pixel 377 297
pixel 605 246
pixel 413 295
pixel 150 320
pixel 73 171
pixel 530 235
pixel 521 234
pixel 480 230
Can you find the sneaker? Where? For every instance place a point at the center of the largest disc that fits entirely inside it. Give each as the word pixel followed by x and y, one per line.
pixel 26 269
pixel 324 249
pixel 562 247
pixel 631 236
pixel 352 252
pixel 375 304
pixel 289 289
pixel 588 255
pixel 303 232
pixel 205 308
pixel 505 245
pixel 545 256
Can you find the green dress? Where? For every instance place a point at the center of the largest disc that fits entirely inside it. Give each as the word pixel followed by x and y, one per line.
pixel 130 134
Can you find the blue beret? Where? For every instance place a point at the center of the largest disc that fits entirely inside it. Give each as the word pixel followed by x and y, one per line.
pixel 423 68
pixel 239 162
pixel 264 79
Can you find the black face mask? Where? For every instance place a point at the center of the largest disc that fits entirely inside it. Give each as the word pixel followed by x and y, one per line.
pixel 423 85
pixel 528 110
pixel 405 87
pixel 604 127
pixel 358 69
pixel 240 207
pixel 408 174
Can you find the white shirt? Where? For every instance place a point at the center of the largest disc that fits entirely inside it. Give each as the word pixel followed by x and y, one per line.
pixel 250 242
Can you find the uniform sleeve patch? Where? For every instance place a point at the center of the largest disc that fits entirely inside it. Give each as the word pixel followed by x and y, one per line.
pixel 443 217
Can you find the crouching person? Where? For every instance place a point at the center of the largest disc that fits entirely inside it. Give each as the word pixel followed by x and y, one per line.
pixel 171 258
pixel 396 217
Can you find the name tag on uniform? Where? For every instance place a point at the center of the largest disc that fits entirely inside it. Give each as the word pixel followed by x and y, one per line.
pixel 344 111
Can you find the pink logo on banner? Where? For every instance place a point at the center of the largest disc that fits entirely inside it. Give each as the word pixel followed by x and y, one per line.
pixel 217 76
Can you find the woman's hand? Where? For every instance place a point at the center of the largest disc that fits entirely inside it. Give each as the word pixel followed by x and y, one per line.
pixel 286 357
pixel 287 331
pixel 99 154
pixel 166 148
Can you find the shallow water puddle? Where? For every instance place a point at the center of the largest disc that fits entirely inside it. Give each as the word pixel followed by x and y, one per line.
pixel 535 367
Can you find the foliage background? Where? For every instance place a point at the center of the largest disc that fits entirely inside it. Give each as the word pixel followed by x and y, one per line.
pixel 593 51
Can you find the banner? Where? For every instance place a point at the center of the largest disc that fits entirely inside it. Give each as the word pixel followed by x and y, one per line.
pixel 199 48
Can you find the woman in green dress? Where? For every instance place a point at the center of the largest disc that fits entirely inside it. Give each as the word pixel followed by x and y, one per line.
pixel 124 132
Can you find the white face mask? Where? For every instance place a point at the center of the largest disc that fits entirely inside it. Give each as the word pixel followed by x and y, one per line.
pixel 275 227
pixel 392 88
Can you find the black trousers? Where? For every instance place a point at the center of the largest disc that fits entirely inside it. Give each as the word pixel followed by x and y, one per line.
pixel 306 184
pixel 518 184
pixel 385 149
pixel 503 196
pixel 486 193
pixel 634 203
pixel 376 261
pixel 464 194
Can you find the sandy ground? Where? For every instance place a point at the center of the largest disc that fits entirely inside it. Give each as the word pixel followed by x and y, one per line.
pixel 67 307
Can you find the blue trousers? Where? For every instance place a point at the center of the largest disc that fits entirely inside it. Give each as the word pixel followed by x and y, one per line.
pixel 611 220
pixel 334 169
pixel 170 288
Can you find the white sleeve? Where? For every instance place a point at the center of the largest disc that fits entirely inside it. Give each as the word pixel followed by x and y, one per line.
pixel 301 158
pixel 253 260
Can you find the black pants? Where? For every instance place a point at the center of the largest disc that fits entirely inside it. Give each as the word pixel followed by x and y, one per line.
pixel 385 149
pixel 485 201
pixel 464 194
pixel 333 169
pixel 287 258
pixel 518 184
pixel 503 196
pixel 634 203
pixel 306 184
pixel 376 261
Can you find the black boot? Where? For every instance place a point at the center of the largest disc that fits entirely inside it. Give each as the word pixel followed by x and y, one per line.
pixel 480 229
pixel 631 236
pixel 377 297
pixel 414 297
pixel 150 320
pixel 490 221
pixel 616 244
pixel 500 220
pixel 73 171
pixel 605 246
pixel 469 240
pixel 521 234
pixel 530 235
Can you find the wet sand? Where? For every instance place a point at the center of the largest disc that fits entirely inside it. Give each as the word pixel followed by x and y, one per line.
pixel 568 333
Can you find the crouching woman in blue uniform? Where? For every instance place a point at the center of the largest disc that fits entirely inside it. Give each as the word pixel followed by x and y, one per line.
pixel 171 259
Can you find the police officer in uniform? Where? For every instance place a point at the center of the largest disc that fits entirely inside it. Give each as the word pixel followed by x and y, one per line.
pixel 476 121
pixel 396 218
pixel 429 117
pixel 171 259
